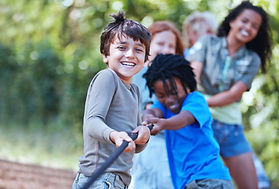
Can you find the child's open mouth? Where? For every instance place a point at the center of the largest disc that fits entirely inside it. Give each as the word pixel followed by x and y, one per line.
pixel 128 64
pixel 173 107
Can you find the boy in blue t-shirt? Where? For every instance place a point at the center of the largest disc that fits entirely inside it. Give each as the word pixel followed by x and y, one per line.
pixel 192 150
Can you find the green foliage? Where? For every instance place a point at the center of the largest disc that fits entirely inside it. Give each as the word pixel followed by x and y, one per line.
pixel 262 115
pixel 8 69
pixel 31 85
pixel 79 73
pixel 49 52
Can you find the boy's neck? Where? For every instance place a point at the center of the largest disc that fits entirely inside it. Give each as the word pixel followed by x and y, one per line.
pixel 126 82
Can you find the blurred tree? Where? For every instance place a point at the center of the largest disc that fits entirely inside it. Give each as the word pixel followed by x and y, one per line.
pixel 8 69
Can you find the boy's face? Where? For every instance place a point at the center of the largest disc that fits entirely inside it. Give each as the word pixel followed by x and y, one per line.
pixel 172 100
pixel 126 57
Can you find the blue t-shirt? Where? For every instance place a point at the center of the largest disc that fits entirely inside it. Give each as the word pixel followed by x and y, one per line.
pixel 193 152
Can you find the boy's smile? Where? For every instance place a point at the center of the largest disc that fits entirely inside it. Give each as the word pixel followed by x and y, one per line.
pixel 172 99
pixel 126 57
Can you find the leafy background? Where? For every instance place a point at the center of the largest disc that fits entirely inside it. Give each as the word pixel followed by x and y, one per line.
pixel 49 52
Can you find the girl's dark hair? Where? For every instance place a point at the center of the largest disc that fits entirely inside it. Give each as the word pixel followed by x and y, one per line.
pixel 121 27
pixel 262 43
pixel 165 25
pixel 166 67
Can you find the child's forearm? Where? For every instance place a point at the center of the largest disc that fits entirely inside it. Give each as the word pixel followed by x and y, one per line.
pixel 180 120
pixel 184 118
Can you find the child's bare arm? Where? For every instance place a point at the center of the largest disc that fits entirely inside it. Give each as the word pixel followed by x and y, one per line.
pixel 178 121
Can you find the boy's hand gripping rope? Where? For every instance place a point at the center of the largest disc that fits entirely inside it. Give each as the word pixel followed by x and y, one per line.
pixel 111 159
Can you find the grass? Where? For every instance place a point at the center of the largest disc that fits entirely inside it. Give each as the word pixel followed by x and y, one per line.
pixel 49 145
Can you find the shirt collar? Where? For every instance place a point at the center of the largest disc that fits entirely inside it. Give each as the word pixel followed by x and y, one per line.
pixel 239 53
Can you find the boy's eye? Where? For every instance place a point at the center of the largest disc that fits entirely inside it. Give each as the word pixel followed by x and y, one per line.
pixel 139 50
pixel 159 95
pixel 121 47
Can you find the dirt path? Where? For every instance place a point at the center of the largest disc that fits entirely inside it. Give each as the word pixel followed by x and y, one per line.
pixel 15 175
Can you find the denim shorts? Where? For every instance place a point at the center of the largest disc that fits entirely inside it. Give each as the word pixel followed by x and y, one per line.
pixel 231 139
pixel 210 183
pixel 105 181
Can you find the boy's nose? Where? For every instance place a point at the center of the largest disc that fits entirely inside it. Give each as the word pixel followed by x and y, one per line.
pixel 169 100
pixel 130 53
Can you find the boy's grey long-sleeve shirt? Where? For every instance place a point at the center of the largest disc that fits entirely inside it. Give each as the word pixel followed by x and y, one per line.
pixel 110 105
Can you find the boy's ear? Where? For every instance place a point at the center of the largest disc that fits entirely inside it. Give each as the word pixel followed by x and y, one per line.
pixel 105 59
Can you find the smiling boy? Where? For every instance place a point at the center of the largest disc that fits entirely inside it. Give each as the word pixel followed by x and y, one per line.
pixel 112 105
pixel 182 112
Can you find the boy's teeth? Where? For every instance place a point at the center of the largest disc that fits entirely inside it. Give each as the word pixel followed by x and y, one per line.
pixel 128 64
pixel 173 106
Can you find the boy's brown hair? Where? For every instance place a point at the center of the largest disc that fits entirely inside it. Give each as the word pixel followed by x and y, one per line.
pixel 121 27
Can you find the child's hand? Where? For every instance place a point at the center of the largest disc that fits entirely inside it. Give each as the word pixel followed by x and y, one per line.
pixel 157 122
pixel 143 135
pixel 119 137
